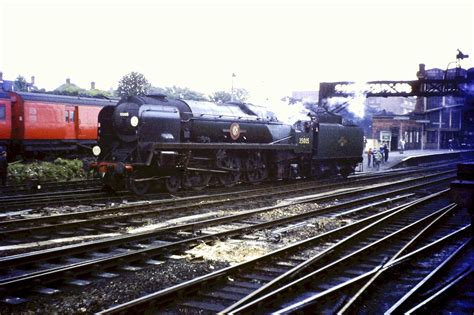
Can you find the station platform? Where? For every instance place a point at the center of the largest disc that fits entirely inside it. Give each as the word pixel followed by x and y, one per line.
pixel 415 157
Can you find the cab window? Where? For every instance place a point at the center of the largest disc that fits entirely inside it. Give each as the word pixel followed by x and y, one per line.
pixel 2 112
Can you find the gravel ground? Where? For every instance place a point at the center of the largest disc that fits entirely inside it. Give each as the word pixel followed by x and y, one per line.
pixel 103 293
pixel 203 259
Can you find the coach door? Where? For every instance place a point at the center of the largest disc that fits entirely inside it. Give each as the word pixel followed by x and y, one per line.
pixel 70 126
pixel 78 123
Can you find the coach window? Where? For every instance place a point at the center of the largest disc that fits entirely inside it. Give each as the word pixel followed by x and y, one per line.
pixel 71 116
pixel 2 112
pixel 66 116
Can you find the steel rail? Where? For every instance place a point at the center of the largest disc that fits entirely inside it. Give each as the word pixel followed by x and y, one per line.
pixel 104 263
pixel 187 206
pixel 299 306
pixel 278 286
pixel 411 296
pixel 180 289
pixel 438 295
pixel 348 307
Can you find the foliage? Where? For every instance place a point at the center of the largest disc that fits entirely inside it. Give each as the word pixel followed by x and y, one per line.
pixel 69 89
pixel 133 83
pixel 59 170
pixel 221 97
pixel 156 90
pixel 184 93
pixel 20 84
pixel 240 95
pixel 98 93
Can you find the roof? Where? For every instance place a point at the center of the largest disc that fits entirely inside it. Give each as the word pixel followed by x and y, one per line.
pixel 65 99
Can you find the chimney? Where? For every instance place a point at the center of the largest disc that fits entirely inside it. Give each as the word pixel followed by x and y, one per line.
pixel 32 80
pixel 420 101
pixel 68 81
pixel 1 76
pixel 92 85
pixel 421 74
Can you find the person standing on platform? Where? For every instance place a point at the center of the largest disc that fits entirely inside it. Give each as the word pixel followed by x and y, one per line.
pixel 402 146
pixel 385 151
pixel 3 165
pixel 377 159
pixel 382 152
pixel 369 157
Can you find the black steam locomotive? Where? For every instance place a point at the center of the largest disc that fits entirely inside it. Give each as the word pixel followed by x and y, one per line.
pixel 192 144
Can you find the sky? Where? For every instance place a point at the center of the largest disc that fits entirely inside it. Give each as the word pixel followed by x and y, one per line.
pixel 273 47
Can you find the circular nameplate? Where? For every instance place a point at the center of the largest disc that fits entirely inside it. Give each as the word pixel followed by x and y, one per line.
pixel 234 131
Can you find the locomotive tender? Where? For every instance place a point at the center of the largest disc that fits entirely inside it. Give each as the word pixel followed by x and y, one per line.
pixel 190 144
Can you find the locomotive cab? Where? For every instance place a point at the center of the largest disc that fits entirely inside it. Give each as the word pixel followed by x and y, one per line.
pixel 304 135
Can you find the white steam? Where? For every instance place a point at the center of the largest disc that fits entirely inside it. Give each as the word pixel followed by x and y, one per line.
pixel 354 103
pixel 289 113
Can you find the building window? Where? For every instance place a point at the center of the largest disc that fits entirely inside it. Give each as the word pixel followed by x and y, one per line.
pixel 434 102
pixel 445 119
pixel 431 137
pixel 3 113
pixel 456 119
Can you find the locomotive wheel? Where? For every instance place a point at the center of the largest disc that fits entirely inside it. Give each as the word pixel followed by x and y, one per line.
pixel 232 165
pixel 112 183
pixel 256 168
pixel 196 180
pixel 139 188
pixel 173 183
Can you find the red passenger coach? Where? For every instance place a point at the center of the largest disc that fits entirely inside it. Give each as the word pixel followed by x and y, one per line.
pixel 42 124
pixel 5 119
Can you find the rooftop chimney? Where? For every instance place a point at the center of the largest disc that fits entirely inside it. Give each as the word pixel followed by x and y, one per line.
pixel 68 81
pixel 92 85
pixel 1 76
pixel 421 74
pixel 32 80
pixel 420 103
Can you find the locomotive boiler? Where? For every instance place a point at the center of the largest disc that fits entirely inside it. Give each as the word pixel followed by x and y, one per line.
pixel 147 140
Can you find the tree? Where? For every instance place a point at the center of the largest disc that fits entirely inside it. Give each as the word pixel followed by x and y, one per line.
pixel 156 90
pixel 69 89
pixel 184 93
pixel 240 95
pixel 20 84
pixel 133 83
pixel 221 97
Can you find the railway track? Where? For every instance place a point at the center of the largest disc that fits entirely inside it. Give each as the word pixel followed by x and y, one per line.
pixel 37 187
pixel 217 292
pixel 160 244
pixel 89 192
pixel 116 219
pixel 377 286
pixel 47 270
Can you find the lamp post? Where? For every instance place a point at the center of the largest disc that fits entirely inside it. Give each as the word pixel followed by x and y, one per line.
pixel 232 88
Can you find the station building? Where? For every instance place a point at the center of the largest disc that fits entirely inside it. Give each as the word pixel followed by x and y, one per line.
pixel 437 122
